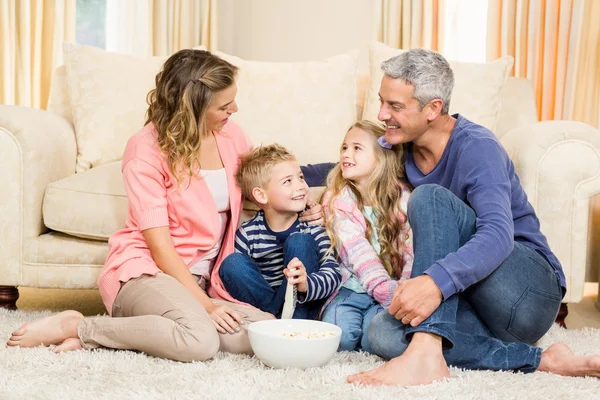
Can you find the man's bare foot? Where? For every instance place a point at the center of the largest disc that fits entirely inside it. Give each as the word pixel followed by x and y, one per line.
pixel 422 363
pixel 47 331
pixel 559 359
pixel 70 344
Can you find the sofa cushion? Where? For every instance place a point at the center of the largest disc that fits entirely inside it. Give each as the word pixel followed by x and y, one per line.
pixel 93 204
pixel 305 106
pixel 107 94
pixel 477 87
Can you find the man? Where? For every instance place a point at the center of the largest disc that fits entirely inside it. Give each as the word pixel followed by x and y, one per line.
pixel 485 284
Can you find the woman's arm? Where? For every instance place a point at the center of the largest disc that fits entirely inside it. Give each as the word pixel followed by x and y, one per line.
pixel 166 258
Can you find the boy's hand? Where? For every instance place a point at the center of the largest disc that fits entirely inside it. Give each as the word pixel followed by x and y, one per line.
pixel 314 215
pixel 296 274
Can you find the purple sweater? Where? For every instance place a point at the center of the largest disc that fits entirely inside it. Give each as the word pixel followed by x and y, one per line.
pixel 477 169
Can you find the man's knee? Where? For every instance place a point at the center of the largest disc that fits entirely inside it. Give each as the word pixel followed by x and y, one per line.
pixel 385 336
pixel 423 197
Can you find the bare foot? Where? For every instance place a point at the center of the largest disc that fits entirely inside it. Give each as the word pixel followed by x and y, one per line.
pixel 420 364
pixel 70 344
pixel 559 359
pixel 47 331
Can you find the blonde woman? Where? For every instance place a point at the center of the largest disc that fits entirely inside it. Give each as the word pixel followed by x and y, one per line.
pixel 184 208
pixel 365 207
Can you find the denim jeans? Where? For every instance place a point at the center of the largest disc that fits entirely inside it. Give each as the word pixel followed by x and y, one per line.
pixel 353 313
pixel 243 280
pixel 493 323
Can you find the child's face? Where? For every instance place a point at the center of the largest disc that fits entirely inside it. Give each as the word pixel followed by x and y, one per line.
pixel 357 156
pixel 287 191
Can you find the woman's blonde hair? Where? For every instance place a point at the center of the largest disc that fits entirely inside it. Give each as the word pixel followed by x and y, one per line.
pixel 185 88
pixel 384 190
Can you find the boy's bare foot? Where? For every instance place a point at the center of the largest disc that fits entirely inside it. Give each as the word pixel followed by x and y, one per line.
pixel 68 345
pixel 559 359
pixel 47 331
pixel 422 363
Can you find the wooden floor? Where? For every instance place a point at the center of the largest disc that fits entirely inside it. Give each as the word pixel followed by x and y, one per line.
pixel 583 314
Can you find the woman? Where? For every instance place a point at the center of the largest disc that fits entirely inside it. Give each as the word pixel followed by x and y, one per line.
pixel 184 208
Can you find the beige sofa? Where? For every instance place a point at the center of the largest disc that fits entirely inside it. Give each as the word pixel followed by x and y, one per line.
pixel 55 223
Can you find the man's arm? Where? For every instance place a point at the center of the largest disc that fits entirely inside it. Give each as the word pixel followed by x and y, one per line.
pixel 484 169
pixel 316 174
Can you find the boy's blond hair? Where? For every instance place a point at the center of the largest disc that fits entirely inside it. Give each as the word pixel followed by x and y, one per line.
pixel 257 165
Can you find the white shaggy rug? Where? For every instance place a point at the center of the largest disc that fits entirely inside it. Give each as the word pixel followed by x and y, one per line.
pixel 39 374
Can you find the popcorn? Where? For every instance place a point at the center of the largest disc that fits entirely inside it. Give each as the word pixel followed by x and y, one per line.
pixel 309 335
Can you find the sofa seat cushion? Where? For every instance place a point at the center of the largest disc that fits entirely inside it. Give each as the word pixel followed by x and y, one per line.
pixel 93 204
pixel 90 204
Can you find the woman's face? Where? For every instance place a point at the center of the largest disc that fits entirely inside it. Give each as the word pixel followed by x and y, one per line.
pixel 221 108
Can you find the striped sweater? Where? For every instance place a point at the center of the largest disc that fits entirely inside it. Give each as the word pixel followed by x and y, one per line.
pixel 265 247
pixel 356 254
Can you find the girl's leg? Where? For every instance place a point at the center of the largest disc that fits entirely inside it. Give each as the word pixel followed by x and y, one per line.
pixel 238 343
pixel 374 309
pixel 347 310
pixel 244 281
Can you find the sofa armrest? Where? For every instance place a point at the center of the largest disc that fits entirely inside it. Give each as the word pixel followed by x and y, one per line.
pixel 558 163
pixel 36 148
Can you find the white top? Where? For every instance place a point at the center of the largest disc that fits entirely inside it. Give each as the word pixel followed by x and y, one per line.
pixel 216 180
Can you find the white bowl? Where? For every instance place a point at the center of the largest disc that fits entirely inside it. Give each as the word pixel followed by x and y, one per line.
pixel 313 345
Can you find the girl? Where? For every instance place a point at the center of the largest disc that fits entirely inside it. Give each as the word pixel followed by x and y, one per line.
pixel 365 208
pixel 184 208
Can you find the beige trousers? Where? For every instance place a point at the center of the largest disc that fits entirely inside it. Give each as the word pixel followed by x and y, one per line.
pixel 159 316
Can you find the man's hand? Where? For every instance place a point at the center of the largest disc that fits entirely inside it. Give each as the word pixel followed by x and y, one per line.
pixel 296 274
pixel 314 215
pixel 415 300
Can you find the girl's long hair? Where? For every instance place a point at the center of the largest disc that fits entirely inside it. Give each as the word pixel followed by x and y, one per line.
pixel 185 88
pixel 384 191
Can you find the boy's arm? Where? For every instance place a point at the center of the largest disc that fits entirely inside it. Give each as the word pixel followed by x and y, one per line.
pixel 327 279
pixel 242 242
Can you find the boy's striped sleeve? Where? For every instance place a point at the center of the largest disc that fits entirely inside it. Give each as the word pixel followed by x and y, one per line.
pixel 324 282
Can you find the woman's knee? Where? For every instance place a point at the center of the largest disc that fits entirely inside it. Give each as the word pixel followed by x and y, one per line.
pixel 385 336
pixel 197 346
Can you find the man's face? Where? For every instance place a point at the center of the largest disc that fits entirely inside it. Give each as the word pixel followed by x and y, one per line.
pixel 405 121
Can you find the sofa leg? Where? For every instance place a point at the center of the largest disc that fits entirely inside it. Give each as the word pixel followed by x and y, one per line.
pixel 562 314
pixel 8 297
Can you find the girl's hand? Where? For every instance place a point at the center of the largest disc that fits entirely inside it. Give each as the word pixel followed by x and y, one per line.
pixel 296 275
pixel 314 215
pixel 224 318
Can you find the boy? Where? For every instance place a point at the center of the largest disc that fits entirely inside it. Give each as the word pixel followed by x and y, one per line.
pixel 274 249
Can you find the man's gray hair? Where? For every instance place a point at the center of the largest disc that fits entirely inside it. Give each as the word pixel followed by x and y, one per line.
pixel 427 71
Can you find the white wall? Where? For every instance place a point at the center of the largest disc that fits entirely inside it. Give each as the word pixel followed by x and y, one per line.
pixel 294 30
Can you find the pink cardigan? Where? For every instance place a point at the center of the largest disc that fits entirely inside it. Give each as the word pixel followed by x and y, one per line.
pixel 189 211
pixel 355 252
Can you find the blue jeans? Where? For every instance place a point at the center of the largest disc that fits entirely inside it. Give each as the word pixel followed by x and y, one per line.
pixel 493 323
pixel 353 313
pixel 244 281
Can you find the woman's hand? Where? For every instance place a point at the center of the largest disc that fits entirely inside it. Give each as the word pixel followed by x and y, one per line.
pixel 296 274
pixel 314 215
pixel 224 318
